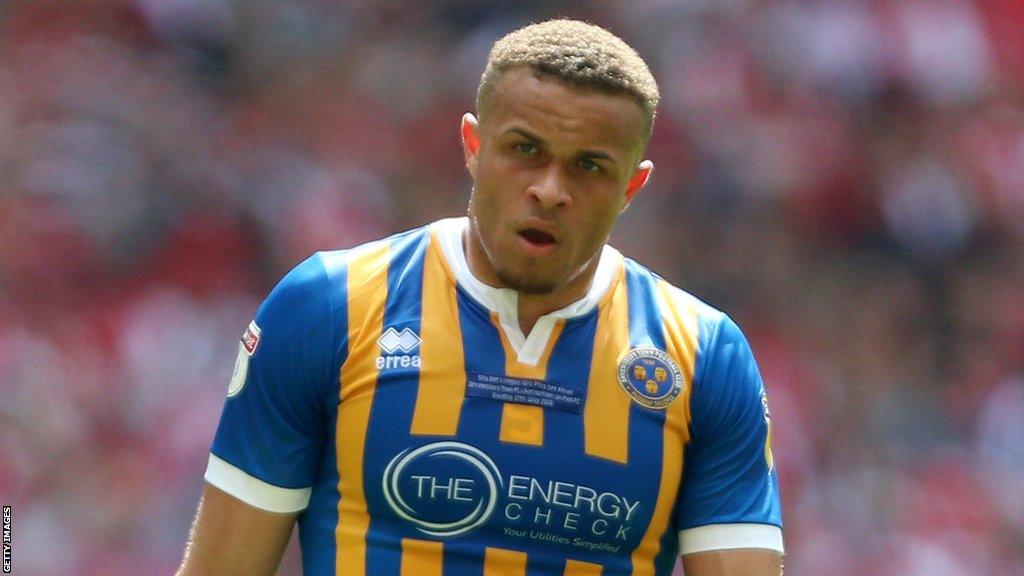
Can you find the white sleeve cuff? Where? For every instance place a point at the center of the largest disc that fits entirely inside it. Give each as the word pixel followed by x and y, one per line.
pixel 730 536
pixel 254 491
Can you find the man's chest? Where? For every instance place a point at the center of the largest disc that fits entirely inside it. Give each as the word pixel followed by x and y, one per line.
pixel 459 448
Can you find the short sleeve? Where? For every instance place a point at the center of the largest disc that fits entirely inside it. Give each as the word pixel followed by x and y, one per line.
pixel 729 496
pixel 273 427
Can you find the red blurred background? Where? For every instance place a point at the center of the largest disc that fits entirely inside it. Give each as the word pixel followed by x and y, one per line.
pixel 845 178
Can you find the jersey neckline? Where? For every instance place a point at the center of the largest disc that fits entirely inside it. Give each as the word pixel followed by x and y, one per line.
pixel 505 301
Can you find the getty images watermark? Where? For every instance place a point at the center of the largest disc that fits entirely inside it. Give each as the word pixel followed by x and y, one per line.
pixel 7 539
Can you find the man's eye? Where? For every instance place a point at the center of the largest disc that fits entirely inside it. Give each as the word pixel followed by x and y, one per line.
pixel 524 148
pixel 589 165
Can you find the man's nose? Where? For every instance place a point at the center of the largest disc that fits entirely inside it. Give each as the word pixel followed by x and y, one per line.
pixel 549 189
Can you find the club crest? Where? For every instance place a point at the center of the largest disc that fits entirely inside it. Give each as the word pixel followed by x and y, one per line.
pixel 650 377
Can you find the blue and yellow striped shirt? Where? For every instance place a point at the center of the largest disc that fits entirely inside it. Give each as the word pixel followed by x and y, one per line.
pixel 390 398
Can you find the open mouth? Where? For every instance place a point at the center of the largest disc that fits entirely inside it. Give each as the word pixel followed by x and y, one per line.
pixel 537 237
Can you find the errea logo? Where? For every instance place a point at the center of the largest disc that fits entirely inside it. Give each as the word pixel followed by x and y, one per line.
pixel 392 340
pixel 396 347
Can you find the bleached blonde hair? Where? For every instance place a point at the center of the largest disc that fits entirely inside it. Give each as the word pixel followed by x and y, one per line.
pixel 575 52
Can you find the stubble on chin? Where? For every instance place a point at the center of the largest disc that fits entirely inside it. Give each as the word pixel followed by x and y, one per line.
pixel 524 285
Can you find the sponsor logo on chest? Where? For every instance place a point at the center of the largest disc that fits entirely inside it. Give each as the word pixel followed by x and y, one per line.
pixel 449 488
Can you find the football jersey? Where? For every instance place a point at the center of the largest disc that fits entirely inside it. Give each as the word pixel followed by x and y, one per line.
pixel 391 399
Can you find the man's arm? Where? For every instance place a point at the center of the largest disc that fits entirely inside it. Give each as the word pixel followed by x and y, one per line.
pixel 741 562
pixel 230 537
pixel 270 440
pixel 728 509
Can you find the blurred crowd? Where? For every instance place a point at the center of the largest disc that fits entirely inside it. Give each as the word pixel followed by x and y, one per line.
pixel 845 178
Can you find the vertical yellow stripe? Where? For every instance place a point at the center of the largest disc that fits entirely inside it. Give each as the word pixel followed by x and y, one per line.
pixel 367 293
pixel 681 332
pixel 606 415
pixel 499 562
pixel 577 568
pixel 520 423
pixel 421 557
pixel 680 325
pixel 443 372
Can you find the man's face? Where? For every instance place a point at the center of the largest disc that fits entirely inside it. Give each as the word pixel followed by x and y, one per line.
pixel 553 166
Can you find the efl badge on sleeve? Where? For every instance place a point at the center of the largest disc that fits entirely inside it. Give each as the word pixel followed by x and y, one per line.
pixel 246 348
pixel 650 377
pixel 251 338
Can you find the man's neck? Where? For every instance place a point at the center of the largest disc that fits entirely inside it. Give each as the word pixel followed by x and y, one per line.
pixel 531 307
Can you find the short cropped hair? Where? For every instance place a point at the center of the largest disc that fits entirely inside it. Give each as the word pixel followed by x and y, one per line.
pixel 578 53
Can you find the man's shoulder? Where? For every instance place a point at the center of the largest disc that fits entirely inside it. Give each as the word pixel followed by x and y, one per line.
pixel 337 262
pixel 338 271
pixel 674 299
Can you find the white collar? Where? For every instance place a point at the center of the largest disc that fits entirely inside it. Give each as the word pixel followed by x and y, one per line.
pixel 505 301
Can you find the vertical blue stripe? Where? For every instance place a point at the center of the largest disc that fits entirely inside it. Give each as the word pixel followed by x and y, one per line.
pixel 669 551
pixel 645 325
pixel 569 366
pixel 646 329
pixel 318 522
pixel 649 319
pixel 393 402
pixel 480 422
pixel 463 558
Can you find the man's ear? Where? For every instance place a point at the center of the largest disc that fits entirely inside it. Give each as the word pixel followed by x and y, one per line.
pixel 638 180
pixel 470 141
